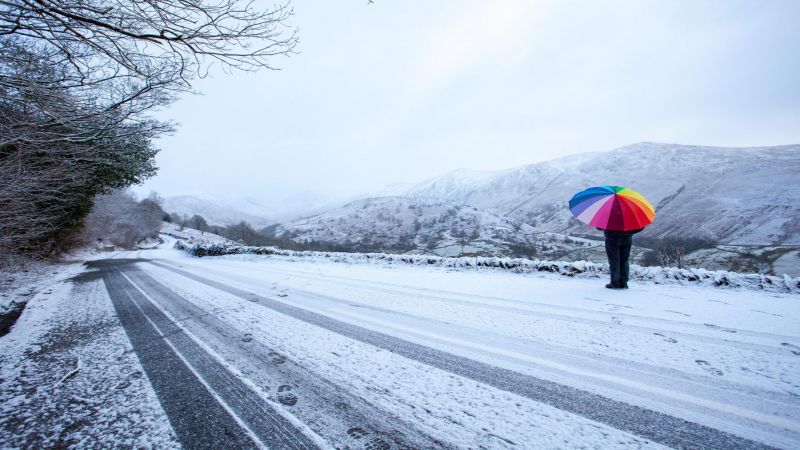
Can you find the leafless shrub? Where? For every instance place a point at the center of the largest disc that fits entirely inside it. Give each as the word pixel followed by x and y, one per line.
pixel 672 257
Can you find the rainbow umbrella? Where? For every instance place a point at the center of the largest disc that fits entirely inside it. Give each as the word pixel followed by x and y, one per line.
pixel 612 208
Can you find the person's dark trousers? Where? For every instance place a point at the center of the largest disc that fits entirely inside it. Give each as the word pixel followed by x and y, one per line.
pixel 618 250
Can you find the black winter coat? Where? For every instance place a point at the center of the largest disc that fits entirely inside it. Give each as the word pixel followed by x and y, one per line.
pixel 620 233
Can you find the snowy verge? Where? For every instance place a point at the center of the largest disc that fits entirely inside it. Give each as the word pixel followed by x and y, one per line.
pixel 68 375
pixel 22 280
pixel 581 269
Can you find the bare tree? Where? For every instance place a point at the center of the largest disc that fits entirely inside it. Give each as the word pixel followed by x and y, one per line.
pixel 134 52
pixel 57 151
pixel 198 223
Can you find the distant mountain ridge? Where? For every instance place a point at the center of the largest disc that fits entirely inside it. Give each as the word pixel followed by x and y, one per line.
pixel 728 195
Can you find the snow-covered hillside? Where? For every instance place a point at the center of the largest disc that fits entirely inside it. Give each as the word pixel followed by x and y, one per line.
pixel 727 195
pixel 454 186
pixel 215 213
pixel 444 228
pixel 192 236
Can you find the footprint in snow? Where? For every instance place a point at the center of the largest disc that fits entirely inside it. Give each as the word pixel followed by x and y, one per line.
pixel 277 358
pixel 374 443
pixel 709 368
pixel 615 307
pixel 745 369
pixel 792 348
pixel 666 339
pixel 247 337
pixel 719 301
pixel 717 327
pixel 357 433
pixel 616 320
pixel 285 395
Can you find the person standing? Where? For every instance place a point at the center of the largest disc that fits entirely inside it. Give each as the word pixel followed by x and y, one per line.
pixel 620 212
pixel 618 250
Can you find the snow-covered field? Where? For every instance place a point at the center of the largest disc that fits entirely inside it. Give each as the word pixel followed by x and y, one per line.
pixel 722 358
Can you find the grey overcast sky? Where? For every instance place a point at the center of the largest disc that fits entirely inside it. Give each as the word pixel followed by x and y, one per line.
pixel 401 91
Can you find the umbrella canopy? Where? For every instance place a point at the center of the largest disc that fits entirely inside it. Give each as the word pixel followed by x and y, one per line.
pixel 612 208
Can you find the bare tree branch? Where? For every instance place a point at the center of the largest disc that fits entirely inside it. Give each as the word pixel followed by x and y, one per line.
pixel 164 43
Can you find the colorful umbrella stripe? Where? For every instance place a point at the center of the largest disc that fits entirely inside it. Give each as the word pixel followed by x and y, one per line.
pixel 612 208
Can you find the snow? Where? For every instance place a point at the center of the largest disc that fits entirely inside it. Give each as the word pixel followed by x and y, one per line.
pixel 716 348
pixel 69 378
pixel 191 235
pixel 722 356
pixel 451 185
pixel 210 350
pixel 446 406
pixel 788 263
pixel 16 285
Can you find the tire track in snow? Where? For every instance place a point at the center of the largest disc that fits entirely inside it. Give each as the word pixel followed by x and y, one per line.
pixel 728 389
pixel 208 407
pixel 448 296
pixel 673 379
pixel 608 324
pixel 318 399
pixel 658 427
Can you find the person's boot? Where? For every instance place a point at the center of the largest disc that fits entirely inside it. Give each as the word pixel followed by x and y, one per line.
pixel 611 286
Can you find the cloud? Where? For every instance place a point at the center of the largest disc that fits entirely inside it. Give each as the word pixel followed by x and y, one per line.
pixel 495 32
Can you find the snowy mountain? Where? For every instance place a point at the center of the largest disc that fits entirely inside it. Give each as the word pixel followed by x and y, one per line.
pixel 214 213
pixel 727 195
pixel 443 228
pixel 248 205
pixel 454 186
pixel 305 204
pixel 227 209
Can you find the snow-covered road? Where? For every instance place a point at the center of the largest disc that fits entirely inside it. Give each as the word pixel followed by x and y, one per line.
pixel 289 352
